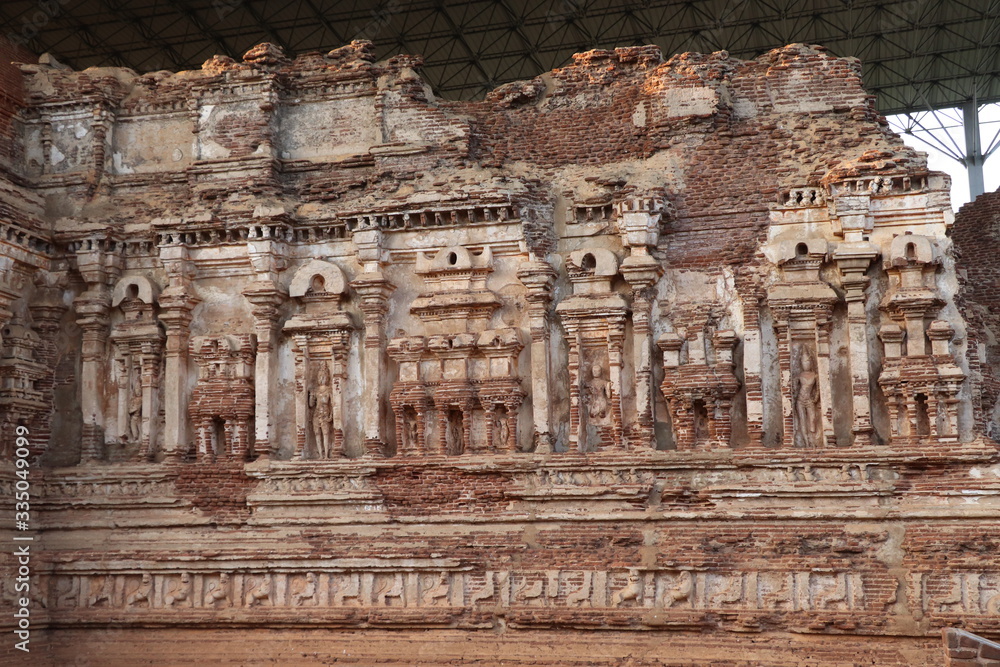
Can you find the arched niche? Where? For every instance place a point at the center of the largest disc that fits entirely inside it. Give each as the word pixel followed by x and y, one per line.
pixel 135 287
pixel 597 261
pixel 911 248
pixel 317 274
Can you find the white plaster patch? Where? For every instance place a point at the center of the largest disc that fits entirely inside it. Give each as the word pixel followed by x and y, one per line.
pixel 639 115
pixel 121 167
pixel 689 102
pixel 57 155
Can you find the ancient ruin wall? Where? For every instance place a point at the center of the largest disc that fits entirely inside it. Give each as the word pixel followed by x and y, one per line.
pixel 647 358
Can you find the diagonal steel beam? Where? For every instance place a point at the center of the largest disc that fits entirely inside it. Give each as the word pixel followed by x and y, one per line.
pixel 144 31
pixel 182 8
pixel 460 39
pixel 321 17
pixel 247 6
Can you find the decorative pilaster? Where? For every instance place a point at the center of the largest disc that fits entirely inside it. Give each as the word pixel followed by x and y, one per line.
pixel 99 262
pixel 853 260
pixel 374 291
pixel 176 305
pixel 539 278
pixel 265 296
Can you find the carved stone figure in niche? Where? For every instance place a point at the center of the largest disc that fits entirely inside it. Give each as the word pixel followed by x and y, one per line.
pixel 598 396
pixel 321 403
pixel 66 593
pixel 143 594
pixel 135 408
pixel 805 389
pixel 455 429
pixel 412 428
pixel 501 432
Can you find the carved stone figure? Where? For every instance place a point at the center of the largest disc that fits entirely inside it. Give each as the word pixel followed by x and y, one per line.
pixel 681 591
pixel 631 591
pixel 218 592
pixel 181 592
pixel 487 591
pixel 103 593
pixel 805 389
pixel 135 408
pixel 581 596
pixel 259 593
pixel 66 593
pixel 321 404
pixel 348 591
pixel 528 591
pixel 437 594
pixel 500 430
pixel 390 588
pixel 455 430
pixel 412 430
pixel 598 396
pixel 308 592
pixel 143 594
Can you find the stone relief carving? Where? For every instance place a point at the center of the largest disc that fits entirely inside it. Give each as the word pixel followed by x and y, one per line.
pixel 138 342
pixel 321 335
pixel 920 378
pixel 143 593
pixel 20 399
pixel 699 393
pixel 594 318
pixel 222 404
pixel 805 389
pixel 817 592
pixel 463 372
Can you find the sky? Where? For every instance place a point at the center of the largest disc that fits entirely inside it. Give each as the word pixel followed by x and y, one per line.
pixel 940 135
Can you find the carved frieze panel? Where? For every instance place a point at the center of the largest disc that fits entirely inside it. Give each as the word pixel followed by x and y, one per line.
pixel 680 591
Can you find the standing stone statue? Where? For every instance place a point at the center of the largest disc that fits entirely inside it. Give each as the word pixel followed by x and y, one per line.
pixel 321 402
pixel 135 408
pixel 598 396
pixel 805 389
pixel 501 430
pixel 412 430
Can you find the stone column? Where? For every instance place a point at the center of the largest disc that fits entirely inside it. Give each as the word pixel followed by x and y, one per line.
pixel 642 271
pixel 265 299
pixel 268 257
pixel 539 278
pixel 753 356
pixel 100 265
pixel 374 290
pixel 853 260
pixel 176 303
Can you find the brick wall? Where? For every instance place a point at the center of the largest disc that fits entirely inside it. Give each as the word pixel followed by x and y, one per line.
pixel 964 649
pixel 977 243
pixel 11 96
